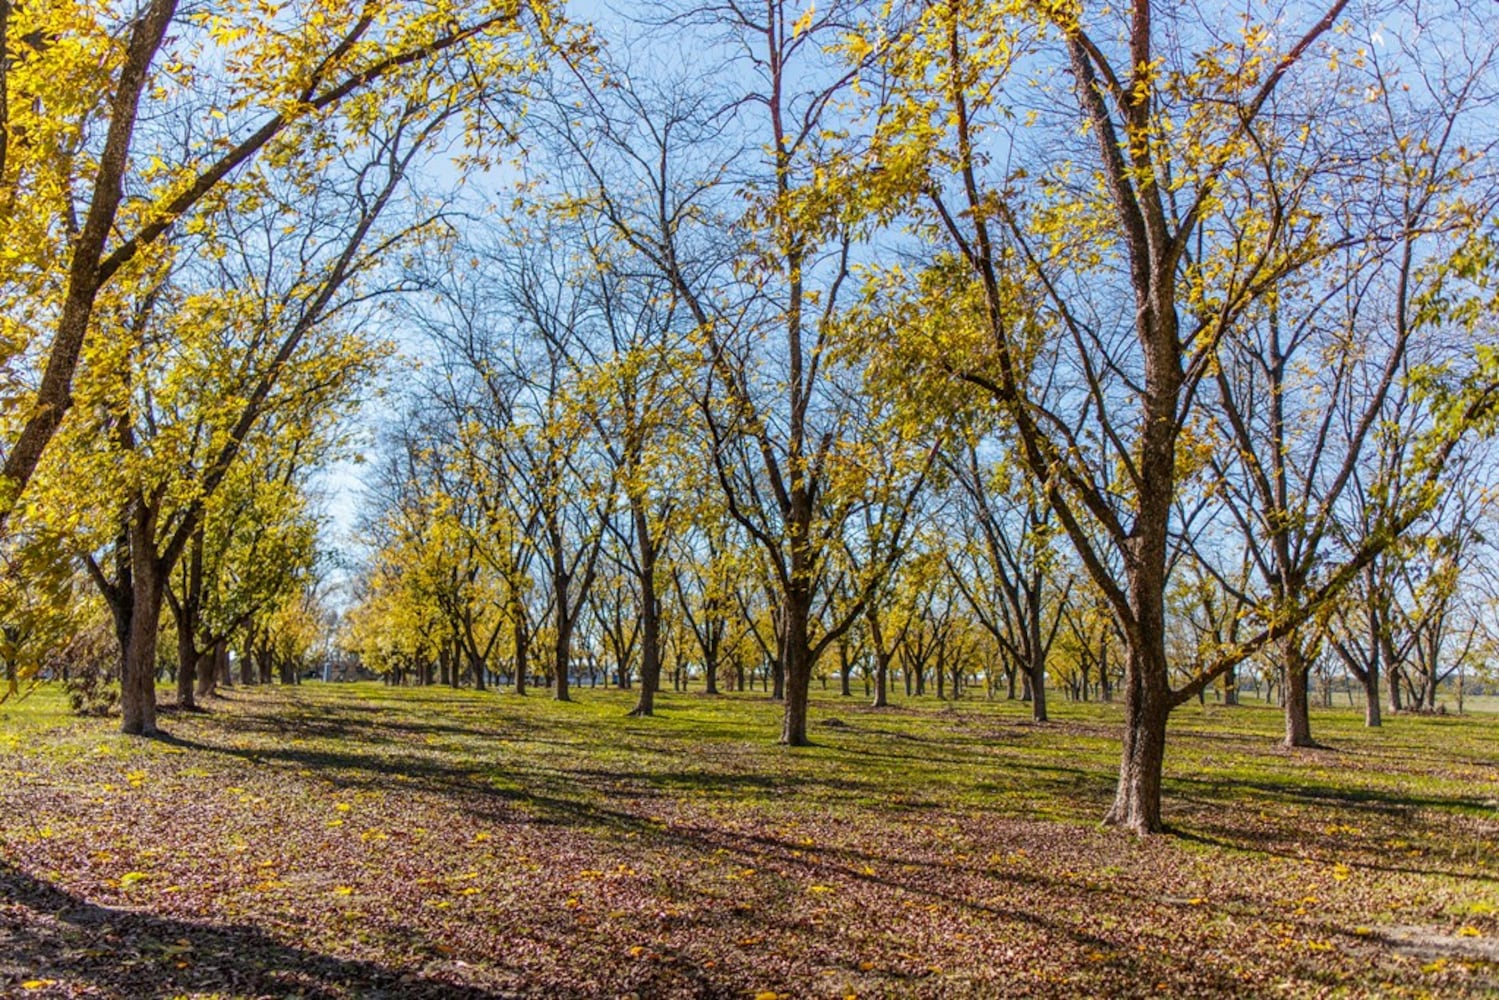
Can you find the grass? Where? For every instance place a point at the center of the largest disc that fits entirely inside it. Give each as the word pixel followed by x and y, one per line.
pixel 33 709
pixel 353 841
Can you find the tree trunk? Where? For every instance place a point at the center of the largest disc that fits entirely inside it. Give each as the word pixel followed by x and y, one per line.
pixel 138 664
pixel 562 659
pixel 798 668
pixel 650 613
pixel 208 675
pixel 522 663
pixel 710 666
pixel 1147 705
pixel 1037 675
pixel 187 664
pixel 881 658
pixel 1298 674
pixel 1372 717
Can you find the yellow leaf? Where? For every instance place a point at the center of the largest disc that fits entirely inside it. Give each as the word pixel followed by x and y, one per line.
pixel 802 24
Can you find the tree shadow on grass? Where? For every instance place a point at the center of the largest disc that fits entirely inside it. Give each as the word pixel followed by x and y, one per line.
pixel 65 946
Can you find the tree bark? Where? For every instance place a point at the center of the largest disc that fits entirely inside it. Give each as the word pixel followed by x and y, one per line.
pixel 1037 674
pixel 1298 717
pixel 797 670
pixel 1147 705
pixel 650 616
pixel 138 664
pixel 187 667
pixel 562 659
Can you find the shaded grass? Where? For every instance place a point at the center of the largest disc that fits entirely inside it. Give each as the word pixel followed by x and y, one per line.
pixel 376 840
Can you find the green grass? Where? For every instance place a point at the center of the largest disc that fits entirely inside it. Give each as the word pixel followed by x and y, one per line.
pixel 33 709
pixel 353 840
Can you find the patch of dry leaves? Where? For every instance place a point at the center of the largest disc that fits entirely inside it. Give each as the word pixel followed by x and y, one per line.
pixel 313 845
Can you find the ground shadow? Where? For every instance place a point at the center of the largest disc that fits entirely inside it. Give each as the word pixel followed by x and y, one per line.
pixel 47 934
